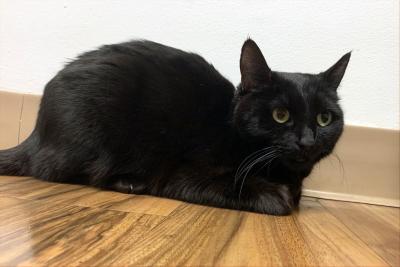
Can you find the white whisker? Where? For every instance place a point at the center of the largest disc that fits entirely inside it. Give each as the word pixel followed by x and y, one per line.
pixel 269 157
pixel 249 159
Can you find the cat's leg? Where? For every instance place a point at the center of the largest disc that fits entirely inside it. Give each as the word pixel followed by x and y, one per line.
pixel 56 164
pixel 296 193
pixel 256 195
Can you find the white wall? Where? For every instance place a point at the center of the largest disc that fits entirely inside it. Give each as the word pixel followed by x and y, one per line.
pixel 38 37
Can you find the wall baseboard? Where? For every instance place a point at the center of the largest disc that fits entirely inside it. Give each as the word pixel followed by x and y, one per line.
pixel 364 167
pixel 352 198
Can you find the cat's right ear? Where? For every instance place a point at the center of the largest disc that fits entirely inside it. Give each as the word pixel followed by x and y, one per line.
pixel 253 67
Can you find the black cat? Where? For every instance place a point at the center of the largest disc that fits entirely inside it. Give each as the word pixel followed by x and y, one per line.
pixel 143 118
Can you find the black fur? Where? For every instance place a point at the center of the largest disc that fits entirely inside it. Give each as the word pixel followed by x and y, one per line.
pixel 140 117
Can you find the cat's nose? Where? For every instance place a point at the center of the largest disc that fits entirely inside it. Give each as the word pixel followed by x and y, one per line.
pixel 307 138
pixel 306 142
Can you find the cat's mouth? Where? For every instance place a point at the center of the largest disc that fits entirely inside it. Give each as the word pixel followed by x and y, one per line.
pixel 299 165
pixel 300 161
pixel 306 157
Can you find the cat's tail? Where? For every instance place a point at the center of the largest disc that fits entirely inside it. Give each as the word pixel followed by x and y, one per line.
pixel 16 161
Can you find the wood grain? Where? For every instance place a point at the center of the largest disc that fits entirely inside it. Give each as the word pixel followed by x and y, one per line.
pixel 331 241
pixel 48 235
pixel 70 225
pixel 86 196
pixel 370 227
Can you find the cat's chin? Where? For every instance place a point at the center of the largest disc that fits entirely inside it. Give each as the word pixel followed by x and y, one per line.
pixel 302 167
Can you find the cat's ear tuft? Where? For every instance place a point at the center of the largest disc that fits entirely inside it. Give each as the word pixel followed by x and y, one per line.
pixel 335 73
pixel 253 67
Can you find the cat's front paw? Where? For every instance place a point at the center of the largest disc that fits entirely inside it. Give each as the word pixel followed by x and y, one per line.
pixel 127 187
pixel 276 201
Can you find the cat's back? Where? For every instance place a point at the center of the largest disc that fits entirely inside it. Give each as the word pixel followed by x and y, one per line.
pixel 135 52
pixel 147 59
pixel 138 84
pixel 143 67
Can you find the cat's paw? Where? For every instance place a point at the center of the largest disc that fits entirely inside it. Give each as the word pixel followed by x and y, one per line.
pixel 277 201
pixel 127 187
pixel 122 187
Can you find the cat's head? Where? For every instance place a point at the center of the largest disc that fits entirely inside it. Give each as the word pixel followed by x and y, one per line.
pixel 296 114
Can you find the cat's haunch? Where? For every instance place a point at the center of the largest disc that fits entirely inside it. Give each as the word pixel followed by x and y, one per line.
pixel 144 118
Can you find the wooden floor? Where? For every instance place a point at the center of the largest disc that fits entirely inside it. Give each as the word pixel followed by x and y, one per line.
pixel 64 225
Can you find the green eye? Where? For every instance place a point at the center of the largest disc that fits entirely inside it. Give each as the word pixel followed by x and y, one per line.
pixel 280 115
pixel 324 118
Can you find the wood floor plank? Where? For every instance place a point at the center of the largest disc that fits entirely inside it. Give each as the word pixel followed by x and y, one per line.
pixel 7 203
pixel 201 236
pixel 12 179
pixel 267 240
pixel 388 215
pixel 16 224
pixel 177 239
pixel 382 237
pixel 145 204
pixel 86 196
pixel 55 235
pixel 332 243
pixel 25 187
pixel 70 225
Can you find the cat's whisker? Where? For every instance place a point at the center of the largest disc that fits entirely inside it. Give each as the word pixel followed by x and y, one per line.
pixel 261 159
pixel 340 163
pixel 244 178
pixel 250 158
pixel 260 151
pixel 258 159
pixel 267 163
pixel 246 164
pixel 343 173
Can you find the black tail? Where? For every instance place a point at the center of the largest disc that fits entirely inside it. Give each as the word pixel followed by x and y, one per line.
pixel 16 160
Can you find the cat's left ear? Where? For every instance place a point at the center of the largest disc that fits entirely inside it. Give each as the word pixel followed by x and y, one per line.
pixel 335 73
pixel 253 67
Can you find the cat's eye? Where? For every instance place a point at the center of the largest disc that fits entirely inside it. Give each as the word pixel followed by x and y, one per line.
pixel 281 115
pixel 324 118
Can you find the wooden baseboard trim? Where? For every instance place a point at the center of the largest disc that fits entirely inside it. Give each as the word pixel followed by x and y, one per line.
pixel 363 168
pixel 352 198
